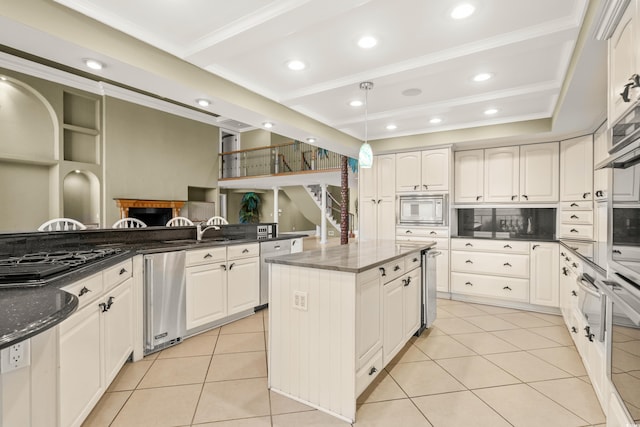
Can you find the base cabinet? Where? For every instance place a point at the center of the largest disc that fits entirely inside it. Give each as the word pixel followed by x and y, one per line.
pixel 544 289
pixel 401 316
pixel 243 290
pixel 206 294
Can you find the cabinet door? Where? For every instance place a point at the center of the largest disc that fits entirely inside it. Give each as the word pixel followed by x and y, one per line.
pixel 408 171
pixel 368 317
pixel 412 303
pixel 386 219
pixel 80 365
pixel 243 284
pixel 626 185
pixel 600 153
pixel 539 172
pixel 442 271
pixel 543 284
pixel 623 54
pixel 501 174
pixel 206 294
pixel 118 328
pixel 386 176
pixel 469 176
pixel 367 183
pixel 368 217
pixel 435 170
pixel 393 321
pixel 576 169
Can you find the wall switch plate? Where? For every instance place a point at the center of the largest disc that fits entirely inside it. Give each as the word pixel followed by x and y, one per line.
pixel 15 357
pixel 300 300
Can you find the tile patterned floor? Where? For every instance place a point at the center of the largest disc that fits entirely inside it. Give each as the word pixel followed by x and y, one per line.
pixel 478 366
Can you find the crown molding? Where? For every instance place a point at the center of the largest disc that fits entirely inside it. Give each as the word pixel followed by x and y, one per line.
pixel 609 18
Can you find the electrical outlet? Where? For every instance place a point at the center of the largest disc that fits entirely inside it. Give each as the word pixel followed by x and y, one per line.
pixel 300 300
pixel 15 357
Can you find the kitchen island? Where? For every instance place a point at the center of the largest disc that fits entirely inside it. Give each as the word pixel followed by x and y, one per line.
pixel 337 316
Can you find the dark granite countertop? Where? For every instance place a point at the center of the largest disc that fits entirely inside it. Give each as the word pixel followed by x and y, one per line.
pixel 351 258
pixel 27 311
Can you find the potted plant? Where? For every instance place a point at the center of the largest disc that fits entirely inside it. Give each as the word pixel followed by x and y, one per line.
pixel 250 208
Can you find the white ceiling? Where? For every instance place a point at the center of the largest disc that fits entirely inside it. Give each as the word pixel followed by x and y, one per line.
pixel 526 45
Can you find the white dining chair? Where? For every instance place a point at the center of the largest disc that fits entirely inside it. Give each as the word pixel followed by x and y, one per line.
pixel 129 223
pixel 217 220
pixel 179 221
pixel 62 224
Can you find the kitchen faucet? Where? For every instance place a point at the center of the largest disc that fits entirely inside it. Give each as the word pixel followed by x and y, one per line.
pixel 200 231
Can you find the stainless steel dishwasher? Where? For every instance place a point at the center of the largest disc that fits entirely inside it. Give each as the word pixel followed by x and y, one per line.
pixel 429 291
pixel 267 249
pixel 164 300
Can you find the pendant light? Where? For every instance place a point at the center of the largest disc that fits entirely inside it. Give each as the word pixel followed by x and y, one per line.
pixel 365 157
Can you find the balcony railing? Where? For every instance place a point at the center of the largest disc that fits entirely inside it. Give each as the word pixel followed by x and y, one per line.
pixel 290 158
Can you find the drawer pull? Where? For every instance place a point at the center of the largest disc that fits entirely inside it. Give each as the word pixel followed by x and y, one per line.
pixel 373 370
pixel 585 195
pixel 507 288
pixel 574 294
pixel 396 268
pixel 513 198
pixel 564 271
pixel 534 247
pixel 599 193
pixel 563 254
pixel 109 302
pixel 408 232
pixel 383 272
pixel 525 197
pixel 616 251
pixel 415 187
pixel 468 283
pixel 122 271
pixel 246 251
pixel 293 242
pixel 574 205
pixel 478 198
pixel 425 186
pixel 506 264
pixel 468 261
pixel 575 217
pixel 574 265
pixel 208 255
pixel 103 307
pixel 574 330
pixel 407 282
pixel 83 291
pixel 588 334
pixel 373 200
pixel 469 245
pixel 507 246
pixel 414 260
pixel 433 233
pixel 573 230
pixel 231 265
pixel 223 266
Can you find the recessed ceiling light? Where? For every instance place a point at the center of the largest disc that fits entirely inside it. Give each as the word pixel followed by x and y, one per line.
pixel 435 120
pixel 367 42
pixel 93 64
pixel 462 11
pixel 392 127
pixel 267 125
pixel 77 171
pixel 482 77
pixel 414 91
pixel 296 65
pixel 311 140
pixel 203 102
pixel 490 111
pixel 356 103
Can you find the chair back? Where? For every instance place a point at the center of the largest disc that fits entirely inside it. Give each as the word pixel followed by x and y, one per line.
pixel 129 223
pixel 62 224
pixel 179 221
pixel 217 220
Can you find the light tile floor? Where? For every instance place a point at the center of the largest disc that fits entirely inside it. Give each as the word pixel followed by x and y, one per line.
pixel 478 366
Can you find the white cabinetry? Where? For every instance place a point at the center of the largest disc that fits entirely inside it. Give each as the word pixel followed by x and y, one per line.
pixel 544 289
pixel 600 153
pixel 369 316
pixel 501 174
pixel 626 185
pixel 539 172
pixel 623 61
pixel 221 281
pixel 423 170
pixel 95 341
pixel 377 199
pixel 576 169
pixel 431 234
pixel 469 176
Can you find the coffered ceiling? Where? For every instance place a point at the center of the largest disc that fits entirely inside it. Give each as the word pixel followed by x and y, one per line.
pixel 422 66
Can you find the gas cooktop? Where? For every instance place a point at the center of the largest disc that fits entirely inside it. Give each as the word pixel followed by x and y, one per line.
pixel 32 269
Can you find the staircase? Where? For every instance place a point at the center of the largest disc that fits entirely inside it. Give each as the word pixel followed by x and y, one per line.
pixel 309 202
pixel 315 191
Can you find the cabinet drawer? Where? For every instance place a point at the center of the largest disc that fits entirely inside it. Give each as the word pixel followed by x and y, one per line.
pixel 504 246
pixel 490 263
pixel 577 206
pixel 576 231
pixel 86 289
pixel 626 253
pixel 576 217
pixel 424 232
pixel 243 251
pixel 117 274
pixel 490 286
pixel 412 261
pixel 206 255
pixel 391 270
pixel 583 248
pixel 368 372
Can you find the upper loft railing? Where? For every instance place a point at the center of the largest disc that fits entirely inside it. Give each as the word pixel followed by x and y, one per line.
pixel 290 158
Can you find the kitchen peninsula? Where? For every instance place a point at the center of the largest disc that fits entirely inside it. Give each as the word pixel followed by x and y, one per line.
pixel 337 316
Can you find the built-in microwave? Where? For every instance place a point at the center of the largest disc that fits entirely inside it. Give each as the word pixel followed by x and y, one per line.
pixel 423 210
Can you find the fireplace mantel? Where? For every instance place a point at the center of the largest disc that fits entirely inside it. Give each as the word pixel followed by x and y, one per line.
pixel 126 204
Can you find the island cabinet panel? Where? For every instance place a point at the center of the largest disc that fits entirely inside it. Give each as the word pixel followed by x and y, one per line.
pixel 369 318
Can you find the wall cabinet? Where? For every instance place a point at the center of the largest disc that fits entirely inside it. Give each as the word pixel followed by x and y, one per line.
pixel 539 172
pixel 501 174
pixel 469 176
pixel 600 153
pixel 423 170
pixel 544 279
pixel 576 169
pixel 623 61
pixel 377 212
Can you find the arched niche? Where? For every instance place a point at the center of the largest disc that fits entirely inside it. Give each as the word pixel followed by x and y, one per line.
pixel 81 197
